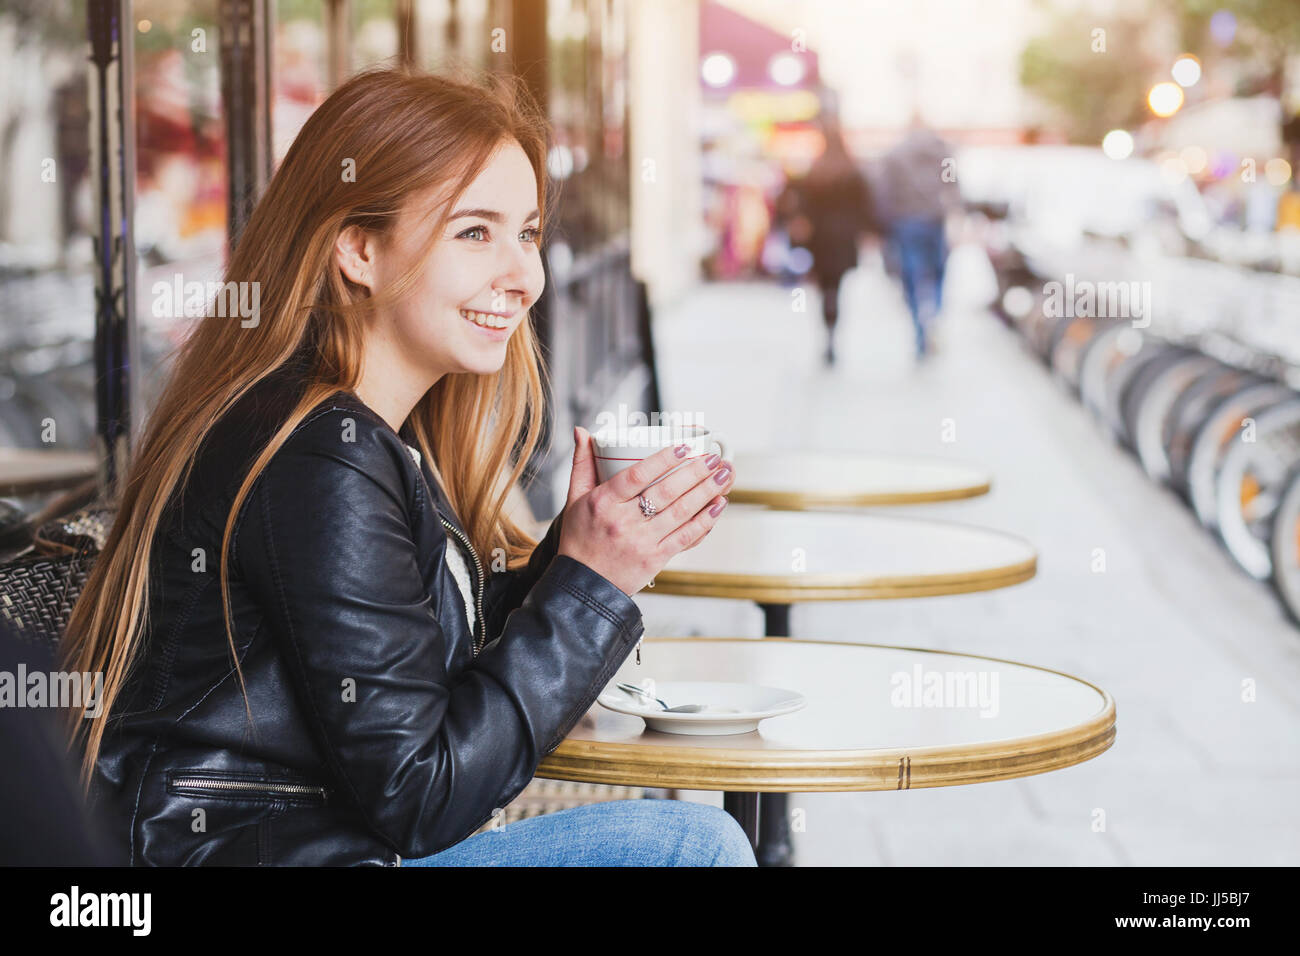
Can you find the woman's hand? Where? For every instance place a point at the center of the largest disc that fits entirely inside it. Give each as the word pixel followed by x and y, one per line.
pixel 605 529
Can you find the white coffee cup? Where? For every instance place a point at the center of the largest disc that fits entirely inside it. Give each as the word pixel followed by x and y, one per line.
pixel 624 447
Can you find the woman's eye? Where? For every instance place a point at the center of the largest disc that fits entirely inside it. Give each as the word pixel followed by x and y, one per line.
pixel 534 234
pixel 465 234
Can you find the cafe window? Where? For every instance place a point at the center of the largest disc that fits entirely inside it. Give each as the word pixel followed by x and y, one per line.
pixel 301 74
pixel 181 176
pixel 375 35
pixel 459 30
pixel 588 81
pixel 47 285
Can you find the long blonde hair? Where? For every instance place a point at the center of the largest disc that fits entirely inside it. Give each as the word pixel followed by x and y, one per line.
pixel 404 132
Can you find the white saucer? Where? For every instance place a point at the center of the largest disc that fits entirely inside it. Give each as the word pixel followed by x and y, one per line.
pixel 750 703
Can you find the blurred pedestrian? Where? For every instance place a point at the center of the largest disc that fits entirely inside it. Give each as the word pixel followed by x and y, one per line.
pixel 834 210
pixel 920 189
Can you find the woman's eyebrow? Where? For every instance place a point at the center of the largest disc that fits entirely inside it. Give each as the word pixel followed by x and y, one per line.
pixel 490 214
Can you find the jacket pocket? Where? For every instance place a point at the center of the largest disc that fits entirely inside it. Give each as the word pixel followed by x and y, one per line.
pixel 251 787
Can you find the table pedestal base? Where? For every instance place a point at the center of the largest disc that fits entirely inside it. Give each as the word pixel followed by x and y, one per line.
pixel 776 620
pixel 764 816
pixel 774 847
pixel 744 807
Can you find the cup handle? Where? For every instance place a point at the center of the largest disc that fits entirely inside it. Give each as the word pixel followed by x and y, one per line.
pixel 722 450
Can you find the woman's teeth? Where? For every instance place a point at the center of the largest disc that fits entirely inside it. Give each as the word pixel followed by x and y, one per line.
pixel 483 318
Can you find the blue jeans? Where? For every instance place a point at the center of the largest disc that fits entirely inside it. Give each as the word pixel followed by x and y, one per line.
pixel 614 833
pixel 922 254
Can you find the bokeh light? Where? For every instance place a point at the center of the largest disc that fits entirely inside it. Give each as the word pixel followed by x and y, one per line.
pixel 1117 144
pixel 785 69
pixel 560 162
pixel 1017 301
pixel 1277 171
pixel 1165 99
pixel 718 69
pixel 1223 27
pixel 1186 70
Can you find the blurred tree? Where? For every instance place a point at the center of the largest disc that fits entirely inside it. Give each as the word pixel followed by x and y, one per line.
pixel 1097 82
pixel 1271 27
pixel 1100 90
pixel 1268 33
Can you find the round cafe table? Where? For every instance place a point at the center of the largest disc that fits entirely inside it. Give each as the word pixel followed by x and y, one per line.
pixel 877 718
pixel 779 558
pixel 796 480
pixel 25 471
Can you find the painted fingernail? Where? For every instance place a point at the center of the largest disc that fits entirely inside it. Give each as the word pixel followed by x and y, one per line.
pixel 722 475
pixel 712 460
pixel 717 509
pixel 681 450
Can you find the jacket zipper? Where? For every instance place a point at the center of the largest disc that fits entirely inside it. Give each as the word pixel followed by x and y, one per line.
pixel 481 636
pixel 254 786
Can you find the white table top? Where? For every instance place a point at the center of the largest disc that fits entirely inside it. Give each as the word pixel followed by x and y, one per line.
pixel 859 731
pixel 790 556
pixel 806 479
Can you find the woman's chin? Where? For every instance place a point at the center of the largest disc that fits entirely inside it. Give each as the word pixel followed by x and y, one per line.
pixel 486 364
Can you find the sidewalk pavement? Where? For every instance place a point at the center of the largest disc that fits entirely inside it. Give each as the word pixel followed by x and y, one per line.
pixel 1171 628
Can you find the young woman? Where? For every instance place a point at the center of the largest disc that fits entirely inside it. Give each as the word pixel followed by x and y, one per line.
pixel 323 641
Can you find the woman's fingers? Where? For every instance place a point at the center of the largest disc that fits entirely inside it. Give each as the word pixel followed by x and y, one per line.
pixel 670 489
pixel 694 531
pixel 633 480
pixel 697 498
pixel 584 476
pixel 604 531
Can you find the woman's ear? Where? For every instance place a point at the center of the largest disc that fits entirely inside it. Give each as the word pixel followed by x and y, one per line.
pixel 354 253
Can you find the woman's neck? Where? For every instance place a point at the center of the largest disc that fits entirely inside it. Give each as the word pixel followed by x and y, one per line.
pixel 391 391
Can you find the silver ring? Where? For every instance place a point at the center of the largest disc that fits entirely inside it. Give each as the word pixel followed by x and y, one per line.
pixel 647 506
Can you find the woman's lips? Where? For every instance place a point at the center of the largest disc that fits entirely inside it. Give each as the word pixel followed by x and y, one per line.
pixel 495 319
pixel 498 329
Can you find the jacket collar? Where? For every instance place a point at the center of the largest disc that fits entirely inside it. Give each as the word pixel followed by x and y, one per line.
pixel 292 373
pixel 435 490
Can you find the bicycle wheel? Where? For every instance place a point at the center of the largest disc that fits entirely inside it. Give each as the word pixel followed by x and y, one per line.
pixel 1250 483
pixel 1067 353
pixel 1137 388
pixel 1190 410
pixel 1284 546
pixel 1215 436
pixel 1156 407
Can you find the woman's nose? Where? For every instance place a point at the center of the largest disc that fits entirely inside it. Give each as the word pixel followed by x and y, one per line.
pixel 519 276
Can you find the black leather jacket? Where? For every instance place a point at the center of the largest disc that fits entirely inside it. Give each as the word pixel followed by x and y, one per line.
pixel 379 731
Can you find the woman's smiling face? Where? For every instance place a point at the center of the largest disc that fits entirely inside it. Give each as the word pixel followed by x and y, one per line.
pixel 485 269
